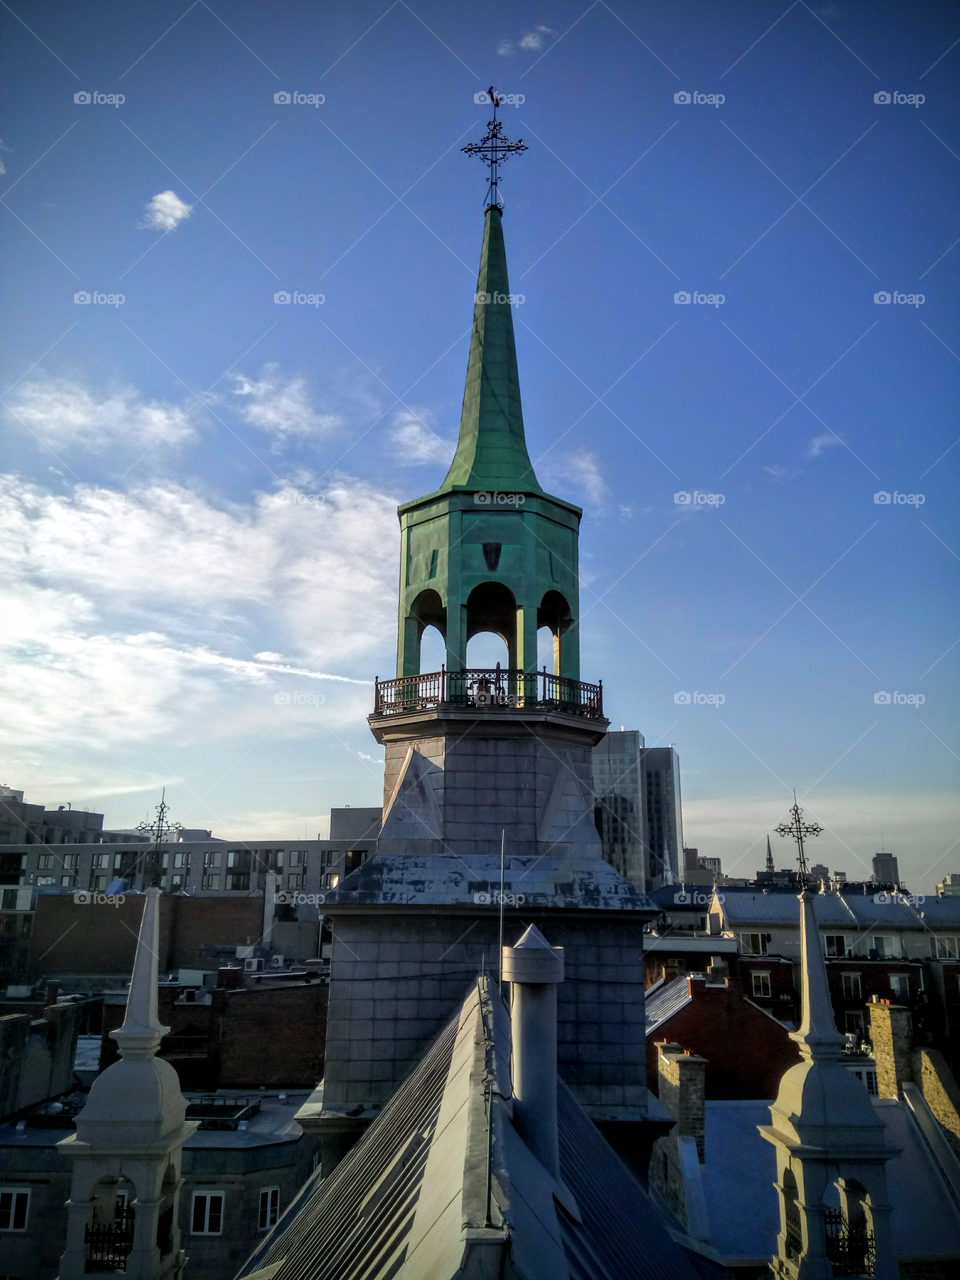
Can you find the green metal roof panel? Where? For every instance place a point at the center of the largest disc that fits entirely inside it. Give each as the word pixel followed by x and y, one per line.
pixel 492 451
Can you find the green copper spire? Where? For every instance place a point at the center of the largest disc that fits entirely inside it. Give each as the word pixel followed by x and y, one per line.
pixel 492 452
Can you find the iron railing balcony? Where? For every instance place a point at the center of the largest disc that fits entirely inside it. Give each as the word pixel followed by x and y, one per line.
pixel 489 689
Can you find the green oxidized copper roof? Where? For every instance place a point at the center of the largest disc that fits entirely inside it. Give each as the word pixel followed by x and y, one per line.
pixel 492 452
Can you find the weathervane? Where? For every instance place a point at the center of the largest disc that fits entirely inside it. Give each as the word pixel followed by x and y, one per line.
pixel 798 829
pixel 494 150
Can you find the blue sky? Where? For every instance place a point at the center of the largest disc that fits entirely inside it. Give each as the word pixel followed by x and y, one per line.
pixel 200 485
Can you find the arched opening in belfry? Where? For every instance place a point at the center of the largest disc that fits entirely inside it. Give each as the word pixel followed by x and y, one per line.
pixel 793 1228
pixel 545 649
pixel 427 611
pixel 492 612
pixel 433 650
pixel 109 1233
pixel 555 617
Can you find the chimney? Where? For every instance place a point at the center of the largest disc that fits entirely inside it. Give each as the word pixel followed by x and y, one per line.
pixel 53 991
pixel 891 1033
pixel 683 1091
pixel 718 968
pixel 534 968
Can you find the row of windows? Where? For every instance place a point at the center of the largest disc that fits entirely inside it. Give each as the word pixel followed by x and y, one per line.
pixel 837 947
pixel 852 987
pixel 206 1217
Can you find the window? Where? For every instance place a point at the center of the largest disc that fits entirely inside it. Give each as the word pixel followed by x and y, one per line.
pixel 13 1209
pixel 99 883
pixel 330 881
pixel 45 862
pixel 945 948
pixel 851 987
pixel 868 1077
pixel 238 860
pixel 181 861
pixel 886 947
pixel 101 861
pixel 71 862
pixel 295 858
pixel 900 986
pixel 269 1207
pixel 211 860
pixel 46 880
pixel 176 882
pixel 210 882
pixel 835 946
pixel 753 944
pixel 237 879
pixel 853 1021
pixel 761 985
pixel 67 882
pixel 207 1213
pixel 9 902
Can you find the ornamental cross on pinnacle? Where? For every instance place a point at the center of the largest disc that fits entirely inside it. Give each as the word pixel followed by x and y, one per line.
pixel 494 150
pixel 798 829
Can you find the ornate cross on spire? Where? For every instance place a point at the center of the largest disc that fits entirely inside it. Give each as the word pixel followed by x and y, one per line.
pixel 161 831
pixel 798 829
pixel 494 150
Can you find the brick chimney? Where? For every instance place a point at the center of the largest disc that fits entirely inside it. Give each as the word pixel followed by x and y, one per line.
pixel 891 1033
pixel 682 1091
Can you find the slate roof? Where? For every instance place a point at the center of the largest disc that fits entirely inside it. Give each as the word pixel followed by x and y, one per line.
pixel 664 1000
pixel 410 1199
pixel 839 910
pixel 451 880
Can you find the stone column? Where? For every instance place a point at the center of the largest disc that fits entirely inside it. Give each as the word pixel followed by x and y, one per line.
pixel 891 1033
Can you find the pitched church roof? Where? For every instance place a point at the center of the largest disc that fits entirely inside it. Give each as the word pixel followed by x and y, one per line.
pixel 412 1199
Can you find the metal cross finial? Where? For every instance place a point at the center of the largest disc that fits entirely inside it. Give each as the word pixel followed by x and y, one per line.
pixel 798 829
pixel 161 831
pixel 494 150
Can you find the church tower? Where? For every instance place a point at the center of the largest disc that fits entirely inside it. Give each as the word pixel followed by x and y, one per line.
pixel 124 1196
pixel 831 1147
pixel 490 551
pixel 471 753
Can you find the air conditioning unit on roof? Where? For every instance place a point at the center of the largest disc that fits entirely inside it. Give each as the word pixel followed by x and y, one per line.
pixel 276 962
pixel 252 965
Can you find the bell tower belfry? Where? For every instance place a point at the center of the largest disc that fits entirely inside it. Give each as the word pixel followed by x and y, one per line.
pixel 490 551
pixel 471 754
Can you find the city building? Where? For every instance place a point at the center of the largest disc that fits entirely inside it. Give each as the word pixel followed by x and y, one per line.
pixel 662 814
pixel 618 804
pixel 885 870
pixel 949 886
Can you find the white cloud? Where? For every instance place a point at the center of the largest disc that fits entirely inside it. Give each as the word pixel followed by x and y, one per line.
pixel 532 41
pixel 165 212
pixel 65 414
pixel 281 407
pixel 506 49
pixel 415 444
pixel 134 617
pixel 828 440
pixel 579 470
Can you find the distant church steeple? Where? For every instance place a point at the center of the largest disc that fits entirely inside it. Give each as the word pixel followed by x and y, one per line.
pixel 127 1150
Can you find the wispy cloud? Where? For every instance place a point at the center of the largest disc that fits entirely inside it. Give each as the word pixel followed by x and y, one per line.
pixel 281 406
pixel 164 212
pixel 531 41
pixel 579 471
pixel 819 444
pixel 415 443
pixel 65 414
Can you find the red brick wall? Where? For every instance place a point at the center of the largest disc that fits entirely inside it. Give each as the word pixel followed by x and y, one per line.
pixel 72 938
pixel 747 1052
